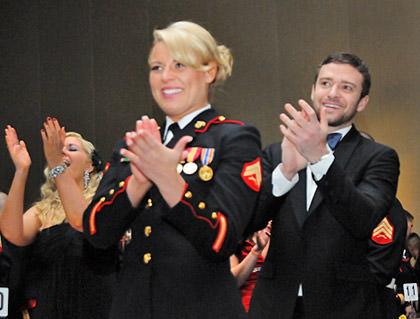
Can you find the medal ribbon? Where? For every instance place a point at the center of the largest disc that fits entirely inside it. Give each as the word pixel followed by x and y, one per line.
pixel 193 153
pixel 207 155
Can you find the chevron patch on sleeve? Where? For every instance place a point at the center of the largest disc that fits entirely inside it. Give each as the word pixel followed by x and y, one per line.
pixel 252 174
pixel 383 233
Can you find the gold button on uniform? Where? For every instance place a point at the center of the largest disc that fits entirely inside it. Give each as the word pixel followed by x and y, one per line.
pixel 121 184
pixel 111 192
pixel 201 205
pixel 147 258
pixel 188 194
pixel 147 231
pixel 149 202
pixel 214 215
pixel 222 118
pixel 199 124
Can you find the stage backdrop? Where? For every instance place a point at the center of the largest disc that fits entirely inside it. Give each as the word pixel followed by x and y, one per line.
pixel 85 63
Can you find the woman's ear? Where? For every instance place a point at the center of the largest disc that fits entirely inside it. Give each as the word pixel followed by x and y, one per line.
pixel 211 72
pixel 90 168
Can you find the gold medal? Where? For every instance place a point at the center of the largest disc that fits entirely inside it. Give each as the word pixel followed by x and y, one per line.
pixel 190 168
pixel 205 173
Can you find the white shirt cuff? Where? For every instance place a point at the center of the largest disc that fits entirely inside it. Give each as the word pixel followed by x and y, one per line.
pixel 281 185
pixel 320 168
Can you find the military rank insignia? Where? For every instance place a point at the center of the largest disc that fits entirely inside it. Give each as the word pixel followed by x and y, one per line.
pixel 252 174
pixel 383 233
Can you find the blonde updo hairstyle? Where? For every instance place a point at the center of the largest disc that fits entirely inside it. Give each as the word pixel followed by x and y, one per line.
pixel 50 203
pixel 193 46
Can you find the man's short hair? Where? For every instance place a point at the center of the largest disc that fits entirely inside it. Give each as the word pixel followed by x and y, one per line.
pixel 354 61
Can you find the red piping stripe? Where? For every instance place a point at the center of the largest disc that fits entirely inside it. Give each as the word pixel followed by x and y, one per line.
pixel 100 204
pixel 217 121
pixel 222 233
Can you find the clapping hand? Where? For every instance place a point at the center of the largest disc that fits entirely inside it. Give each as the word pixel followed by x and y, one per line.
pixel 17 150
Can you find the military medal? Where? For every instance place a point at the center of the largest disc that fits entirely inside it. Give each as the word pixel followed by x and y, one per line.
pixel 206 172
pixel 179 168
pixel 190 167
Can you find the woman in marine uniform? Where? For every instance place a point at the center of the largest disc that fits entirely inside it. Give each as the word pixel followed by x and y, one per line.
pixel 185 193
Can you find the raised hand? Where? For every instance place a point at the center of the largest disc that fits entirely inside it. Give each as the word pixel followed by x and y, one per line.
pixel 53 137
pixel 292 160
pixel 153 161
pixel 156 161
pixel 263 237
pixel 145 124
pixel 17 149
pixel 305 131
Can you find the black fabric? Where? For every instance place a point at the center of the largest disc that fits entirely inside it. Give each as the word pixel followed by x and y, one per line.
pixel 177 133
pixel 67 277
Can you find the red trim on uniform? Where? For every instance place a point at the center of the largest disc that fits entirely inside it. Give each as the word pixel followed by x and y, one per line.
pixel 217 121
pixel 221 222
pixel 107 165
pixel 198 216
pixel 183 192
pixel 99 205
pixel 222 233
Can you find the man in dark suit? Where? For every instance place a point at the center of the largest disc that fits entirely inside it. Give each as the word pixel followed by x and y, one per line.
pixel 324 200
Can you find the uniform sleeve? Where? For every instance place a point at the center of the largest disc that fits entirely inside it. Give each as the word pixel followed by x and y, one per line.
pixel 213 214
pixel 359 200
pixel 267 204
pixel 110 213
pixel 386 245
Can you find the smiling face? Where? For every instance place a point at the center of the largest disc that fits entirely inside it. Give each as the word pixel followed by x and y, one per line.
pixel 177 89
pixel 76 157
pixel 338 89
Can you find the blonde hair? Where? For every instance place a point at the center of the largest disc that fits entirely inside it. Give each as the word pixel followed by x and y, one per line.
pixel 50 202
pixel 194 46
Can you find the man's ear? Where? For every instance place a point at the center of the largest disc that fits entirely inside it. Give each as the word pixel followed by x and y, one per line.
pixel 362 103
pixel 312 92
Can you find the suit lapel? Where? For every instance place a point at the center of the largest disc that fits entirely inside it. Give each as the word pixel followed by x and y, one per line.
pixel 298 198
pixel 342 155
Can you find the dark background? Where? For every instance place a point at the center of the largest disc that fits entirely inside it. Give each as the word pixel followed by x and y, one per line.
pixel 85 63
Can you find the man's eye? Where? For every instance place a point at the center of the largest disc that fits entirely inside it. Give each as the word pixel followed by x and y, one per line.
pixel 347 88
pixel 325 83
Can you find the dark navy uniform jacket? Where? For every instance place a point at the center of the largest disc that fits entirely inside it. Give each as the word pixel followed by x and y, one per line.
pixel 177 263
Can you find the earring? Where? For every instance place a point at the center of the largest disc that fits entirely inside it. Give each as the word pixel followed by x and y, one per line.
pixel 86 178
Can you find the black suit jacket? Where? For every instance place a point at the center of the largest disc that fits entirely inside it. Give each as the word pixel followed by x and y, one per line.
pixel 325 249
pixel 177 263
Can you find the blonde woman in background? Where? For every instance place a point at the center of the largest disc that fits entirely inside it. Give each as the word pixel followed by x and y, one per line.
pixel 64 276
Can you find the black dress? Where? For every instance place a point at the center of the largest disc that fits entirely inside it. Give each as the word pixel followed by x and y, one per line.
pixel 67 277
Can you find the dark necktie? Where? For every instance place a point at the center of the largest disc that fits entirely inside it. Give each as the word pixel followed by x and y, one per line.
pixel 176 132
pixel 333 139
